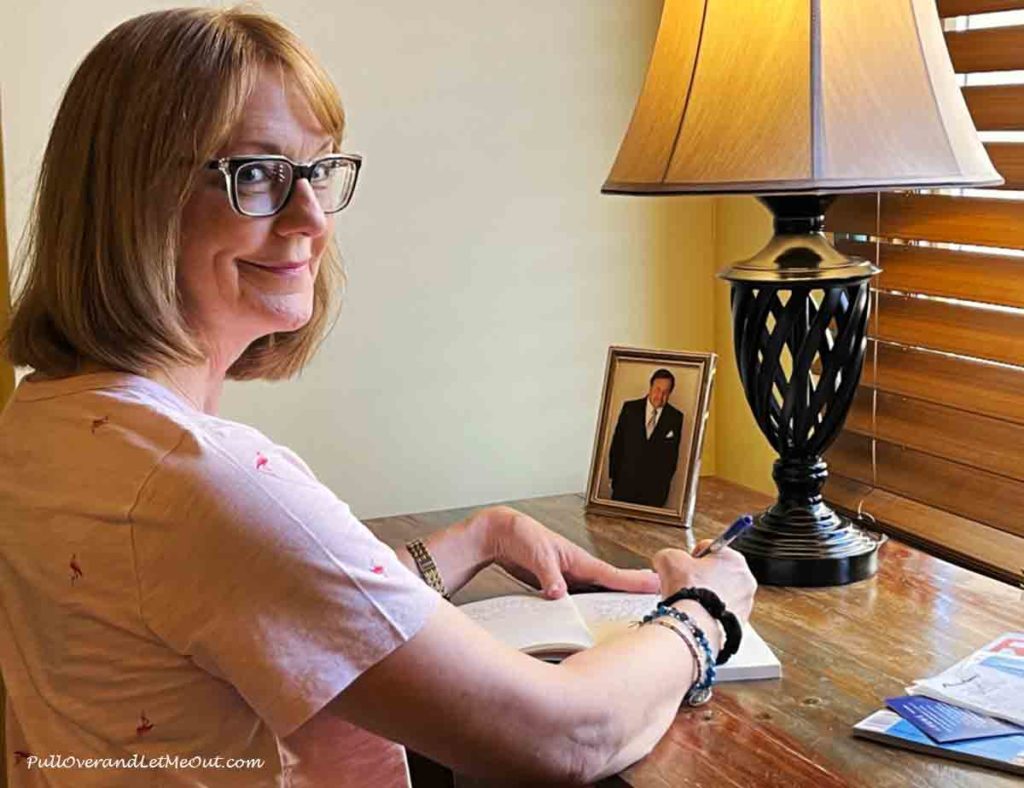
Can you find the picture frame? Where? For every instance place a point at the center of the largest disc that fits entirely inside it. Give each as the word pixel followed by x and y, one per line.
pixel 650 471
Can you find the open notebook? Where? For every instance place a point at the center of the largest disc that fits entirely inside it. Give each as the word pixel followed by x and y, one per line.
pixel 554 629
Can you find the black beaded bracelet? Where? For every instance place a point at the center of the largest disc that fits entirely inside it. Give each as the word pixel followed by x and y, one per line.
pixel 700 692
pixel 715 608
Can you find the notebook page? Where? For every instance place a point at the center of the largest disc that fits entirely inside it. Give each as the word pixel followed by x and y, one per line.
pixel 531 623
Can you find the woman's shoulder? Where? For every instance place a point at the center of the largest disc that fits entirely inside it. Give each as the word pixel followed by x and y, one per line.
pixel 138 425
pixel 248 449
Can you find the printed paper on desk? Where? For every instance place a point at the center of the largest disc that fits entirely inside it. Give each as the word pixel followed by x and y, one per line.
pixel 990 681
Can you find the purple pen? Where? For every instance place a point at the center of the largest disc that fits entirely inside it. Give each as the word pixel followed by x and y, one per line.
pixel 728 536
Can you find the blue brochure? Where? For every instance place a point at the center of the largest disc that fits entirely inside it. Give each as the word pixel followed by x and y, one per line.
pixel 1004 752
pixel 945 723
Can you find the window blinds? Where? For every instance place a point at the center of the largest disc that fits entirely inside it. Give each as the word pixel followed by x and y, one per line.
pixel 933 447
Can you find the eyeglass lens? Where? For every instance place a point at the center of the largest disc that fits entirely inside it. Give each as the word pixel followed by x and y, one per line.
pixel 261 187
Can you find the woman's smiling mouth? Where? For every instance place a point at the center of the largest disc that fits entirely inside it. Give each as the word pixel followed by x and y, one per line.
pixel 277 269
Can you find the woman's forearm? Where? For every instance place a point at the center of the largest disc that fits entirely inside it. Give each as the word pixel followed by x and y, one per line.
pixel 458 696
pixel 636 683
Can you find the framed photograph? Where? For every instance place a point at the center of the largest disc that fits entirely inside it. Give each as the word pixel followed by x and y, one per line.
pixel 650 433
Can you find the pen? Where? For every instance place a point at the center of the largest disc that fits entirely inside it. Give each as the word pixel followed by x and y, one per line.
pixel 727 536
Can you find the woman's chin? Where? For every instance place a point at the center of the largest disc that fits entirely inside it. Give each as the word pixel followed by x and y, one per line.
pixel 285 313
pixel 292 321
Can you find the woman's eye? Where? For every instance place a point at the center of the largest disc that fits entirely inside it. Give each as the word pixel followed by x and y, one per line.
pixel 262 177
pixel 321 172
pixel 254 174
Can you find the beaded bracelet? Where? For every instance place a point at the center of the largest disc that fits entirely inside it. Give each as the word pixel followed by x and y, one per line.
pixel 700 692
pixel 691 644
pixel 715 608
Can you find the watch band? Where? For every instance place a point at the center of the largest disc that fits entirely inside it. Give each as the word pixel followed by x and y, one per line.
pixel 426 566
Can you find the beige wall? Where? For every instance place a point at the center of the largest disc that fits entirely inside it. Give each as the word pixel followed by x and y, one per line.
pixel 487 274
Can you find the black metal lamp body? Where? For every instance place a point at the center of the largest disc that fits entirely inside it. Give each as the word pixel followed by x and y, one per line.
pixel 800 311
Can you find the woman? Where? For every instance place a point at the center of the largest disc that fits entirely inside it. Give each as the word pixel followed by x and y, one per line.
pixel 174 585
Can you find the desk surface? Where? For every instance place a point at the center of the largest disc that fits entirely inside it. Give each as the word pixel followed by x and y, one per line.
pixel 843 650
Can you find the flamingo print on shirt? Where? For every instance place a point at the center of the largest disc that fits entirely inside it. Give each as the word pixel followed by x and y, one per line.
pixel 262 463
pixel 144 726
pixel 377 569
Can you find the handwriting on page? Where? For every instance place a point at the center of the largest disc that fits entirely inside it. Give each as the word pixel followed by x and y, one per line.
pixel 609 614
pixel 529 623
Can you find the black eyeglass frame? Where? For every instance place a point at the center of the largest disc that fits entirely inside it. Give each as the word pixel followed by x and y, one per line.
pixel 230 165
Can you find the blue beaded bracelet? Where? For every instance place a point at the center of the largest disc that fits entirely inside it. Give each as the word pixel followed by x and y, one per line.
pixel 700 692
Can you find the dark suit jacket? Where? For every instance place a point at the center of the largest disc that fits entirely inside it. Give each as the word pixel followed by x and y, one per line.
pixel 641 470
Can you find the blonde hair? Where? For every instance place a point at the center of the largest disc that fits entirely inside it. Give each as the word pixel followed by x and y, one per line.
pixel 148 106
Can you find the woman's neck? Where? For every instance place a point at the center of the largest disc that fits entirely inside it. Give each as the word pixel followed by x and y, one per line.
pixel 199 385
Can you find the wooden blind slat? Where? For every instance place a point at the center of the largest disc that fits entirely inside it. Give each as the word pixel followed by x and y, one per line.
pixel 956 539
pixel 967 7
pixel 986 389
pixel 978 441
pixel 932 217
pixel 854 213
pixel 951 328
pixel 996 107
pixel 991 49
pixel 968 492
pixel 1008 159
pixel 990 278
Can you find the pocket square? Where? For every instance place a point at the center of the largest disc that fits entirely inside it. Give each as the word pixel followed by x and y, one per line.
pixel 670 434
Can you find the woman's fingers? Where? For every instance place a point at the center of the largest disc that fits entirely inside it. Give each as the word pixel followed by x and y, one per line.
pixel 635 581
pixel 586 568
pixel 549 576
pixel 702 544
pixel 528 549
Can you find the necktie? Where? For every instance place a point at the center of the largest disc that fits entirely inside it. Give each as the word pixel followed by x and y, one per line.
pixel 651 422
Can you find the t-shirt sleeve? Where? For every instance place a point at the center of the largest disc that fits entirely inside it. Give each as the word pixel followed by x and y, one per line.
pixel 258 573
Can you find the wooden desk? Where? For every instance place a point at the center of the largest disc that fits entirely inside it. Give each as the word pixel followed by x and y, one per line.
pixel 843 651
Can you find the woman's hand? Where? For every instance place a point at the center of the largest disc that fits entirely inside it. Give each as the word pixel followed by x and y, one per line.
pixel 539 556
pixel 724 572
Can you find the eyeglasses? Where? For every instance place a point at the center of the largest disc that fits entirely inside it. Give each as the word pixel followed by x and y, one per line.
pixel 262 185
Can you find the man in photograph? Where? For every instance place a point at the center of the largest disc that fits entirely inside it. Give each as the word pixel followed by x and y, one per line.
pixel 645 447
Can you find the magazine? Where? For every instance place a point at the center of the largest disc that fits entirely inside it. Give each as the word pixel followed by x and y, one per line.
pixel 990 681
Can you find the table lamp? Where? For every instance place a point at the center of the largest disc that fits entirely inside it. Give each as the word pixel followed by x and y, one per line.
pixel 797 101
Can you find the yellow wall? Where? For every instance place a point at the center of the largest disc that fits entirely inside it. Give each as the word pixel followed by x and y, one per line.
pixel 742 227
pixel 681 284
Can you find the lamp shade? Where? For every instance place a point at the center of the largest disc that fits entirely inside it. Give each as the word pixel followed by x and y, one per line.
pixel 799 96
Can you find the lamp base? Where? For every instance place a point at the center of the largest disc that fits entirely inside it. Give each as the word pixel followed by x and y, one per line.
pixel 800 310
pixel 790 555
pixel 801 540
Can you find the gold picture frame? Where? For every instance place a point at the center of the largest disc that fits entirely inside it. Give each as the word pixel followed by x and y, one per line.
pixel 650 434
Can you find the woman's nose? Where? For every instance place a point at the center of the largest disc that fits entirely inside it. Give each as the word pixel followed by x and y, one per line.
pixel 303 213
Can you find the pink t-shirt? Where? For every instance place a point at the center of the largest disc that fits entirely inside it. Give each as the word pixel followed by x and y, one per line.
pixel 175 585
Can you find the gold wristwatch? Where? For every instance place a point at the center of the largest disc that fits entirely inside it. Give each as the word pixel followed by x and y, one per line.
pixel 426 566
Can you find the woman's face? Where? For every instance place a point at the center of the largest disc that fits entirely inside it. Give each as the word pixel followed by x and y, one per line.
pixel 243 278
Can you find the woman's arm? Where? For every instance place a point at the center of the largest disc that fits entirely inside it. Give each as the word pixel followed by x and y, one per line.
pixel 459 696
pixel 520 544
